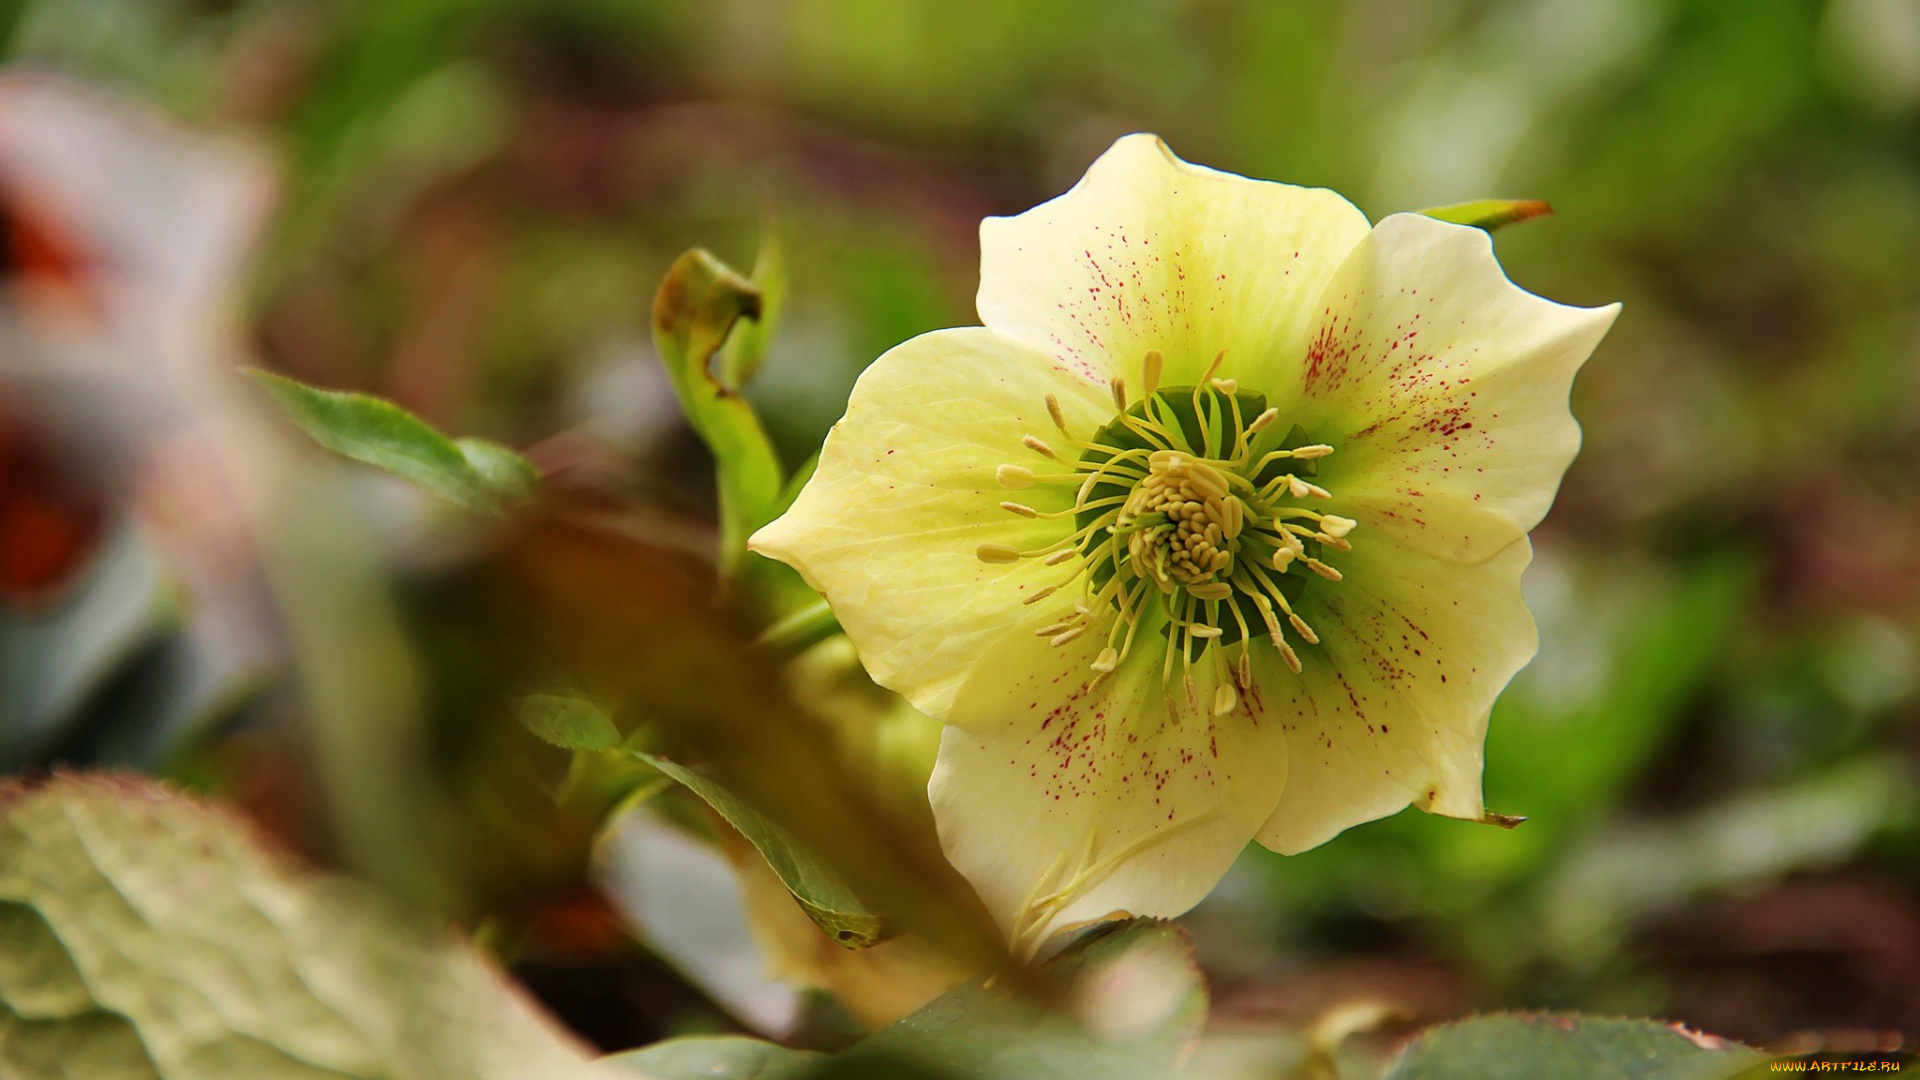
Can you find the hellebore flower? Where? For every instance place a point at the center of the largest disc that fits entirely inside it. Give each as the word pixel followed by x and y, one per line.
pixel 1213 532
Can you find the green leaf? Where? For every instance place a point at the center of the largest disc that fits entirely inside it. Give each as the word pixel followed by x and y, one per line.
pixel 569 723
pixel 146 935
pixel 504 472
pixel 821 893
pixel 472 473
pixel 717 1057
pixel 1490 214
pixel 1546 1046
pixel 1123 1000
pixel 698 305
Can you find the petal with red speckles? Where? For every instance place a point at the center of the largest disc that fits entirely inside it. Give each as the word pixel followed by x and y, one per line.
pixel 1394 699
pixel 905 493
pixel 1064 804
pixel 1443 387
pixel 1150 252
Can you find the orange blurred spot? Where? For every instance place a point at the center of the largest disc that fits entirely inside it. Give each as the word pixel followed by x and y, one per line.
pixel 48 527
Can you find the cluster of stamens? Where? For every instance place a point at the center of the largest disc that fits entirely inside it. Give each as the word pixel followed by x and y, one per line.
pixel 1178 512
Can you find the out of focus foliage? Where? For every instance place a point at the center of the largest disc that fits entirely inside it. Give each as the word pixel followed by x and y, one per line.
pixel 1716 747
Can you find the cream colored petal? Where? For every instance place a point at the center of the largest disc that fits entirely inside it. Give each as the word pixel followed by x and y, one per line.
pixel 1150 252
pixel 1064 805
pixel 1444 388
pixel 1392 706
pixel 905 494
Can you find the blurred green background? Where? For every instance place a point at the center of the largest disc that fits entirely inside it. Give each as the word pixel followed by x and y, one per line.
pixel 1717 745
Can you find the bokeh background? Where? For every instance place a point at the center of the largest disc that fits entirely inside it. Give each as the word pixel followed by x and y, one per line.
pixel 1716 748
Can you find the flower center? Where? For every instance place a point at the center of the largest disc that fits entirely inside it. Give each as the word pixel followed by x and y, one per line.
pixel 1188 517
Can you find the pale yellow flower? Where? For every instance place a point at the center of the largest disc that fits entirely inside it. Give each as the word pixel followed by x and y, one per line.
pixel 1213 532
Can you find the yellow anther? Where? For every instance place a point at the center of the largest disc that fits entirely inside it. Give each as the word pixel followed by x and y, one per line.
pixel 1224 699
pixel 1336 526
pixel 1020 508
pixel 1119 388
pixel 1038 447
pixel 1286 653
pixel 1013 476
pixel 1053 410
pixel 997 553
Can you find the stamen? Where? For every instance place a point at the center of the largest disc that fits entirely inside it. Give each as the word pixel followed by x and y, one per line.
pixel 1224 699
pixel 1261 422
pixel 1014 476
pixel 1038 447
pixel 1041 594
pixel 1107 660
pixel 1322 569
pixel 997 553
pixel 1018 508
pixel 1336 527
pixel 1062 639
pixel 1119 388
pixel 1286 653
pixel 1300 489
pixel 1053 410
pixel 1150 372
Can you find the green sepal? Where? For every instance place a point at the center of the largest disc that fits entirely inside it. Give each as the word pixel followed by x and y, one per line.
pixel 1489 214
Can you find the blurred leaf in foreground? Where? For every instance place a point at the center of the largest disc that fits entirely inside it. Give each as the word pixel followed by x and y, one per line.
pixel 1544 1046
pixel 473 473
pixel 1123 1000
pixel 146 935
pixel 719 1057
pixel 568 722
pixel 1490 214
pixel 698 305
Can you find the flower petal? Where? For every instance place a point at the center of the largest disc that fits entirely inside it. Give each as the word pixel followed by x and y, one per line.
pixel 1392 705
pixel 1150 252
pixel 905 493
pixel 1444 387
pixel 1064 805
